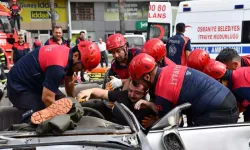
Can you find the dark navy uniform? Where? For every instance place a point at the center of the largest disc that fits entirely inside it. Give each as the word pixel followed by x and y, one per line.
pixel 78 40
pixel 175 85
pixel 45 67
pixel 53 41
pixel 15 9
pixel 239 84
pixel 19 51
pixel 122 71
pixel 176 48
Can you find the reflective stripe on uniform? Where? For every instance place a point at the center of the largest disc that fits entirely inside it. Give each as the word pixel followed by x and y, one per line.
pixel 2 54
pixel 5 80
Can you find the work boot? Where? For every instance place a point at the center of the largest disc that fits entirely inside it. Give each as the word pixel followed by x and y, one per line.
pixel 59 107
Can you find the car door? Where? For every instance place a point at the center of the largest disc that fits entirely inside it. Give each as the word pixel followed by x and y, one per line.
pixel 220 137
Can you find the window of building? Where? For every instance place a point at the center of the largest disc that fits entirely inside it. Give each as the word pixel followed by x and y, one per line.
pixel 44 32
pixel 246 32
pixel 34 33
pixel 82 11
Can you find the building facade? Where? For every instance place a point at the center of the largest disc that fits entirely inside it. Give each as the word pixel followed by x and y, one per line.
pixel 36 17
pixel 100 18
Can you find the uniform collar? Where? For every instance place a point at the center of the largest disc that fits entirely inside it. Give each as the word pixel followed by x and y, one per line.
pixel 80 39
pixel 243 64
pixel 230 80
pixel 180 34
pixel 63 40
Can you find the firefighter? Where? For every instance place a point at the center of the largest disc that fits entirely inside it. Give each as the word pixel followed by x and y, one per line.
pixel 155 48
pixel 20 49
pixel 236 80
pixel 15 14
pixel 212 103
pixel 116 45
pixel 232 59
pixel 198 59
pixel 80 38
pixel 33 83
pixel 178 46
pixel 37 43
pixel 57 38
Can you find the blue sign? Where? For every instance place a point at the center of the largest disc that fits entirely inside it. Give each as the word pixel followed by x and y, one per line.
pixel 217 49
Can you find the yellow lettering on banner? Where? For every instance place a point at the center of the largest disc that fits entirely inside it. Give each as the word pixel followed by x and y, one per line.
pixel 40 11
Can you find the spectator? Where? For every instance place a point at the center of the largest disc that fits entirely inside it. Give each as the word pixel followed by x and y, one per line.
pixel 19 49
pixel 89 38
pixel 80 38
pixel 37 43
pixel 102 47
pixel 57 38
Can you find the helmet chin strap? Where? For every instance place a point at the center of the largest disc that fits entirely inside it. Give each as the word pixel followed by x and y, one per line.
pixel 125 50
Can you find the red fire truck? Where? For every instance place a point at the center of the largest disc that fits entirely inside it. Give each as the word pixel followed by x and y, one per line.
pixel 8 34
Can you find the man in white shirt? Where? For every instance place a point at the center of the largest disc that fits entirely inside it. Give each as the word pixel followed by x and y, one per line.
pixel 102 46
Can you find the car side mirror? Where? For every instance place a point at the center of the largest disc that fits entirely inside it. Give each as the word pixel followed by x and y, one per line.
pixel 172 140
pixel 172 118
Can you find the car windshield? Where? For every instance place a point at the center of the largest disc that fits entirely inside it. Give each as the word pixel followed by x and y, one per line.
pixel 135 41
pixel 5 24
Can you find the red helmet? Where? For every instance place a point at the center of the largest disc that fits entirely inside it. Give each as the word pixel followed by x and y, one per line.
pixel 141 64
pixel 155 48
pixel 37 43
pixel 115 41
pixel 90 54
pixel 198 59
pixel 215 69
